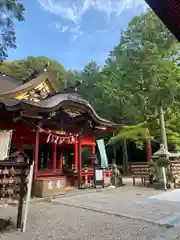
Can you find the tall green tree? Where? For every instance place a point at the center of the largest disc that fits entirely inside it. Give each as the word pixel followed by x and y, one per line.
pixel 140 74
pixel 143 66
pixel 10 10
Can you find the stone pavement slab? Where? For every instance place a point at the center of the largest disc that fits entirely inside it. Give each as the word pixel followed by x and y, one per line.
pixel 132 206
pixel 172 196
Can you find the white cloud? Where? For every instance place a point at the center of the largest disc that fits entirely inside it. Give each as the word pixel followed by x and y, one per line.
pixel 64 29
pixel 76 35
pixel 74 10
pixel 58 26
pixel 75 31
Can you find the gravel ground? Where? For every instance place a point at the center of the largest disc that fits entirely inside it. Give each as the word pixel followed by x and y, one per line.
pixel 58 222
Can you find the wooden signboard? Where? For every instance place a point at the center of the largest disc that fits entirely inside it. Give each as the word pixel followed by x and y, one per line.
pixel 140 170
pixel 13 185
pixel 175 168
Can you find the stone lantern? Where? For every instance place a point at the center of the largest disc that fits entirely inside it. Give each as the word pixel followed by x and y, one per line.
pixel 162 155
pixel 161 158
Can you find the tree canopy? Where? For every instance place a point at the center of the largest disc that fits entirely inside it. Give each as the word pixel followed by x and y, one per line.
pixel 10 11
pixel 140 74
pixel 24 68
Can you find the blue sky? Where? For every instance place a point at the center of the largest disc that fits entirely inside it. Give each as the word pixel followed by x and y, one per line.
pixel 73 32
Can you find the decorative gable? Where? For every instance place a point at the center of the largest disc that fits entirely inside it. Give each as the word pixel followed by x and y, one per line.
pixel 38 93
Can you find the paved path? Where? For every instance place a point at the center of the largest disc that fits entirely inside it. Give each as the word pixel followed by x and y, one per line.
pixel 58 222
pixel 132 202
pixel 125 213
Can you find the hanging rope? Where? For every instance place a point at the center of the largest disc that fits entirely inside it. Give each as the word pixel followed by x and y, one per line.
pixel 59 140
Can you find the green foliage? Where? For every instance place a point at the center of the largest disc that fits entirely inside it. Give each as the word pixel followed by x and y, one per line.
pixel 137 133
pixel 10 10
pixel 55 68
pixel 24 68
pixel 155 171
pixel 173 128
pixel 15 68
pixel 140 74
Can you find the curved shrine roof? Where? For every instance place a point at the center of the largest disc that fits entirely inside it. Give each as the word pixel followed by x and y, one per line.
pixel 55 102
pixel 70 103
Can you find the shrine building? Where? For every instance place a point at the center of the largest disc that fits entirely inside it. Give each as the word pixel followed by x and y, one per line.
pixel 52 128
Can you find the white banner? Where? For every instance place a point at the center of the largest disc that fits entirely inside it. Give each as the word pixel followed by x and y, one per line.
pixel 102 151
pixel 5 143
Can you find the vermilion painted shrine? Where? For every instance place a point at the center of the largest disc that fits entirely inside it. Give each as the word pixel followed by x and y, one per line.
pixel 52 128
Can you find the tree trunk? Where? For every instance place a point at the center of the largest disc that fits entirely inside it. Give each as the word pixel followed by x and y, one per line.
pixel 114 152
pixel 125 156
pixel 148 150
pixel 163 129
pixel 114 156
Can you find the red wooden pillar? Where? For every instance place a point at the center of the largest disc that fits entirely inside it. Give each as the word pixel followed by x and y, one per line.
pixel 54 155
pixel 76 153
pixel 79 163
pixel 148 150
pixel 36 152
pixel 60 160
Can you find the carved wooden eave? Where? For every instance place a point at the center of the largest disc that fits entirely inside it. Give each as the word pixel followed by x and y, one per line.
pixel 52 109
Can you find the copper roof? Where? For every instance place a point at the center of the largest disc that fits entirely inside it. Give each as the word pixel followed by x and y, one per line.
pixel 9 83
pixel 17 88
